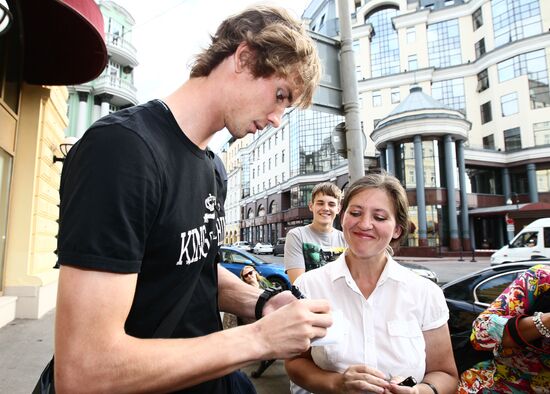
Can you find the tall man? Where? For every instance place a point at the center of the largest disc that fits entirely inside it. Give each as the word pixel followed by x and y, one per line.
pixel 140 226
pixel 318 243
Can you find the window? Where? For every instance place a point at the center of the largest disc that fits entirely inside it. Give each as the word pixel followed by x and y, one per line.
pixel 413 63
pixel 376 98
pixel 513 20
pixel 451 93
pixel 477 19
pixel 283 156
pixel 543 186
pixel 542 133
pixel 489 142
pixel 411 35
pixel 384 45
pixel 482 80
pixel 489 290
pixel 532 64
pixel 509 104
pixel 486 114
pixel 269 164
pixel 395 95
pixel 480 48
pixel 512 139
pixel 444 44
pixel 276 159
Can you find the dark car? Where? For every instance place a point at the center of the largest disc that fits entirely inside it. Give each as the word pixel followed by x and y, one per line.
pixel 420 270
pixel 470 295
pixel 235 259
pixel 279 247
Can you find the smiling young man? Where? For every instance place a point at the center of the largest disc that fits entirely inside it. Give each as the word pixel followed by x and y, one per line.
pixel 141 220
pixel 318 243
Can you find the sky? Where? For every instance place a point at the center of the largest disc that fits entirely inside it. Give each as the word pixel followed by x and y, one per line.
pixel 168 33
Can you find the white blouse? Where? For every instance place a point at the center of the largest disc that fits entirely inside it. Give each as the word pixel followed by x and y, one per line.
pixel 384 331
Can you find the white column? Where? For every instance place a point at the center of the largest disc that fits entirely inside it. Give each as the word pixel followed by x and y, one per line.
pixel 82 123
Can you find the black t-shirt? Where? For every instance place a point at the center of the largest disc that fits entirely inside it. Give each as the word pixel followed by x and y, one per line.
pixel 137 196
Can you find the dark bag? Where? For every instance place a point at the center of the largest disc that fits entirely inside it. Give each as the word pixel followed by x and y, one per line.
pixel 45 383
pixel 240 384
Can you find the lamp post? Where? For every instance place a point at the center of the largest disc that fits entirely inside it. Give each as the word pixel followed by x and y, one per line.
pixel 510 228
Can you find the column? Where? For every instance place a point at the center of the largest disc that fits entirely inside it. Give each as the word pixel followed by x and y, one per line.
pixel 383 158
pixel 97 108
pixel 105 98
pixel 532 180
pixel 391 158
pixel 420 192
pixel 454 242
pixel 506 185
pixel 464 220
pixel 81 124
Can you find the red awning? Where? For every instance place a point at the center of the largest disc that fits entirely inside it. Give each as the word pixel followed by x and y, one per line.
pixel 63 41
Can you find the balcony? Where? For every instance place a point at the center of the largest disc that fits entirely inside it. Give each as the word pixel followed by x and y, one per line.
pixel 123 91
pixel 121 51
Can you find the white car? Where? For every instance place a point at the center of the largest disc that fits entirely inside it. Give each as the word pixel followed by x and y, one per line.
pixel 262 247
pixel 243 245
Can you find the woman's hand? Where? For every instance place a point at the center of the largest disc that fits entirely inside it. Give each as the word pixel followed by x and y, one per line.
pixel 396 389
pixel 361 378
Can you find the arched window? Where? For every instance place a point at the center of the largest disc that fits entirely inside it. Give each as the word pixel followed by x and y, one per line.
pixel 250 213
pixel 273 207
pixel 261 211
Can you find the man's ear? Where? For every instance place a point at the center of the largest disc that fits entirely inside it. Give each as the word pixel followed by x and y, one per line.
pixel 310 206
pixel 242 57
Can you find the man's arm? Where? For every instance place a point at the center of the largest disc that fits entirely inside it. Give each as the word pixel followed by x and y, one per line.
pixel 295 264
pixel 93 352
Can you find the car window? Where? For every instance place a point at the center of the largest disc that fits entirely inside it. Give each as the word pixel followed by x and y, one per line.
pixel 527 239
pixel 547 237
pixel 238 258
pixel 487 291
pixel 460 291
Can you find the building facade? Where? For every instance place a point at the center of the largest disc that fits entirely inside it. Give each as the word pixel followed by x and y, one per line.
pixel 114 89
pixel 33 117
pixel 454 100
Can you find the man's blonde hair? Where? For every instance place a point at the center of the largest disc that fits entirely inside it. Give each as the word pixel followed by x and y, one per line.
pixel 328 189
pixel 280 44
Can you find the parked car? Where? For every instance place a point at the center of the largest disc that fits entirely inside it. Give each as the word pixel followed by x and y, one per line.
pixel 263 247
pixel 470 295
pixel 532 242
pixel 421 270
pixel 279 247
pixel 235 259
pixel 243 245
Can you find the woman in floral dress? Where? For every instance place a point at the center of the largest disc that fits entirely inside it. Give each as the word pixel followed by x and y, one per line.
pixel 516 327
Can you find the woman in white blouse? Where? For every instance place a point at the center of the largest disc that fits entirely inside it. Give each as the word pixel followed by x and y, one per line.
pixel 395 321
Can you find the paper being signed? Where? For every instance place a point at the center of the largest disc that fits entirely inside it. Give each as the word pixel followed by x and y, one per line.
pixel 335 333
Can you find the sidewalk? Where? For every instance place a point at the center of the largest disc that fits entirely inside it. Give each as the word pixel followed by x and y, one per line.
pixel 26 345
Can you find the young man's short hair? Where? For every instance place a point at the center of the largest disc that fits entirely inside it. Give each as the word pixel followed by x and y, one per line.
pixel 281 45
pixel 327 189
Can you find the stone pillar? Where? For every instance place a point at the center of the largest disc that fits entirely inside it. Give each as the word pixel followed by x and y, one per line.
pixel 464 220
pixel 506 186
pixel 391 158
pixel 105 104
pixel 454 241
pixel 420 192
pixel 97 109
pixel 532 180
pixel 81 124
pixel 383 164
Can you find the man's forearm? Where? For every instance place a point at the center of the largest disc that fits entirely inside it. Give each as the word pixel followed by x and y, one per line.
pixel 235 296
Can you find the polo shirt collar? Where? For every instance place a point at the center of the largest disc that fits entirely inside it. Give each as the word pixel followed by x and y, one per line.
pixel 392 270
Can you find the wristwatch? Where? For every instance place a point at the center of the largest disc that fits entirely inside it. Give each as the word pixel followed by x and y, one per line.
pixel 264 297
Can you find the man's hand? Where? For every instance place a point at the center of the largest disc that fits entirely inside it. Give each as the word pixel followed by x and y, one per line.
pixel 288 326
pixel 277 302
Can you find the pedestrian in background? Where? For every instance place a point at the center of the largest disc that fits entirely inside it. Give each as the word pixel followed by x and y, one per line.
pixel 141 223
pixel 318 243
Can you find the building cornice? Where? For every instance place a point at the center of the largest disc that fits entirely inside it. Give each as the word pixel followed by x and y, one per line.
pixel 521 156
pixel 428 16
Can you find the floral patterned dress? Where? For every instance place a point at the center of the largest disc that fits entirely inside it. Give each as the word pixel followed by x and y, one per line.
pixel 512 370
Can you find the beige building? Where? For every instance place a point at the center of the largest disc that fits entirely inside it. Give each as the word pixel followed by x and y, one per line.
pixel 32 123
